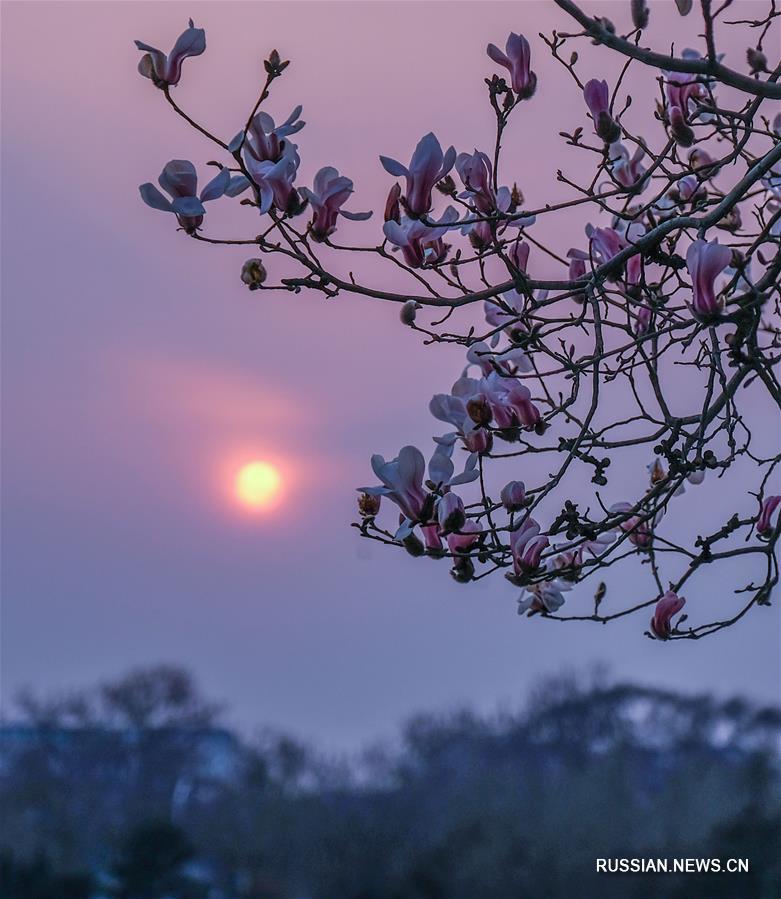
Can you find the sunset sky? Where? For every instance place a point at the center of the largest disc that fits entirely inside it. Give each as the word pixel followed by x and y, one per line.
pixel 139 375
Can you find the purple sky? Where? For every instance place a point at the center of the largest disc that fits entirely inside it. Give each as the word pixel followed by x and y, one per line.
pixel 138 372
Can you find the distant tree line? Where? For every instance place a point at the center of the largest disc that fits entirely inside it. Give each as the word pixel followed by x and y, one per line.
pixel 135 790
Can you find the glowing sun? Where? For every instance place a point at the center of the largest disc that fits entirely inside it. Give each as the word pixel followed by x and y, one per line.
pixel 258 485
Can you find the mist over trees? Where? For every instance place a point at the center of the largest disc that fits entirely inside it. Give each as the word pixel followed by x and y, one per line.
pixel 135 789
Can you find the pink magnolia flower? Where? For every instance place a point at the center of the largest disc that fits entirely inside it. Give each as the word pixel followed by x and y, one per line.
pixel 519 399
pixel 545 597
pixel 640 531
pixel 683 88
pixel 450 513
pixel 700 160
pixel 597 97
pixel 265 140
pixel 605 243
pixel 527 546
pixel 475 170
pixel 167 70
pixel 661 624
pixel 466 537
pixel 705 262
pixel 570 558
pixel 509 362
pixel 519 254
pixel 427 166
pixel 402 481
pixel 577 264
pixel 274 181
pixel 478 440
pixel 330 191
pixel 517 59
pixel 627 170
pixel 431 538
pixel 513 495
pixel 688 188
pixel 180 181
pixel 765 520
pixel 420 244
pixel 506 315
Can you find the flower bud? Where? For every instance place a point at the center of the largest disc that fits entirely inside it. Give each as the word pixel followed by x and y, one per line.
pixel 253 273
pixel 513 496
pixel 369 505
pixel 640 13
pixel 463 571
pixel 414 545
pixel 756 60
pixel 450 513
pixel 392 208
pixel 700 160
pixel 683 134
pixel 409 311
pixel 479 440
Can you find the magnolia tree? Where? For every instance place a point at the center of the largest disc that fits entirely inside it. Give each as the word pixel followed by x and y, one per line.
pixel 641 345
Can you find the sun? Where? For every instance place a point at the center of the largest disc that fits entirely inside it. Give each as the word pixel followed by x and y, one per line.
pixel 258 485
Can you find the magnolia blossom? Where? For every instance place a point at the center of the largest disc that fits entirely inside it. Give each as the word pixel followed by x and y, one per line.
pixel 450 513
pixel 627 170
pixel 547 596
pixel 527 545
pixel 661 624
pixel 427 166
pixel 639 530
pixel 569 559
pixel 605 243
pixel 765 520
pixel 684 89
pixel 402 481
pixel 705 262
pixel 167 70
pixel 513 495
pixel 475 171
pixel 497 396
pixel 272 161
pixel 180 181
pixel 577 264
pixel 420 244
pixel 517 59
pixel 329 191
pixel 510 312
pixel 275 180
pixel 597 97
pixel 465 538
pixel 265 140
pixel 506 313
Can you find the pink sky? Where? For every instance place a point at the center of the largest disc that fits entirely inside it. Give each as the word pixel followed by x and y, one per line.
pixel 137 372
